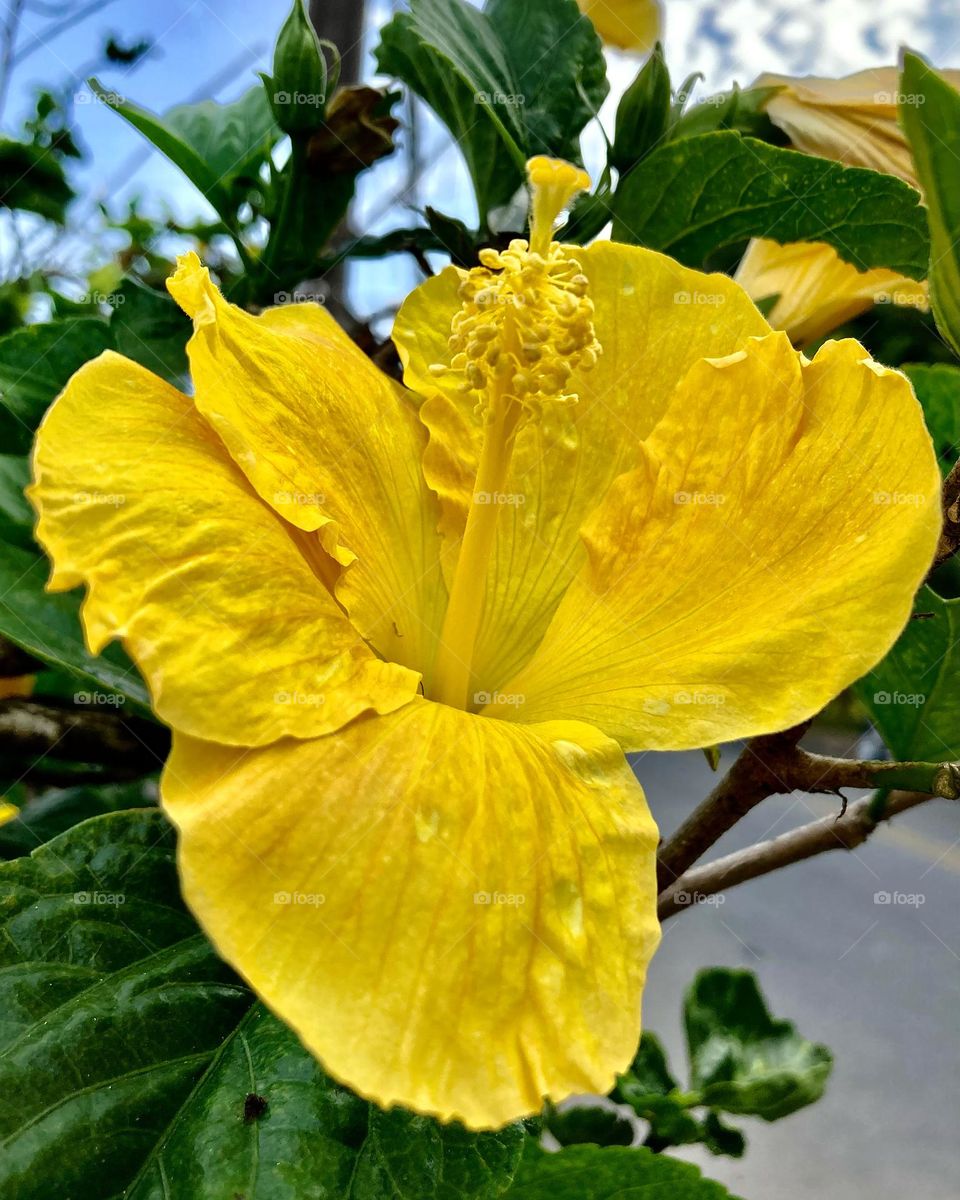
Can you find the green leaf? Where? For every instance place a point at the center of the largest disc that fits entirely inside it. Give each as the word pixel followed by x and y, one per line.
pixel 913 695
pixel 446 52
pixel 31 178
pixel 16 515
pixel 654 1095
pixel 743 111
pixel 232 139
pixel 150 328
pixel 557 62
pixel 47 625
pixel 938 390
pixel 35 364
pixel 111 1005
pixel 589 1123
pixel 611 1173
pixel 643 113
pixel 133 1062
pixel 742 1059
pixel 692 197
pixel 53 812
pixel 929 110
pixel 509 82
pixel 218 147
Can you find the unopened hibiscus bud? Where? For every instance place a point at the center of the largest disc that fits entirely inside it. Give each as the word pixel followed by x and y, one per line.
pixel 298 88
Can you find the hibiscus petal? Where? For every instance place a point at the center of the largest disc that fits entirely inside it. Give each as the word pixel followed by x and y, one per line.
pixel 628 24
pixel 455 914
pixel 654 319
pixel 329 441
pixel 762 558
pixel 236 635
pixel 816 290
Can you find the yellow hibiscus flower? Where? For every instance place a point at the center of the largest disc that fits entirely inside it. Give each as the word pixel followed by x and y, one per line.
pixel 852 120
pixel 627 24
pixel 405 635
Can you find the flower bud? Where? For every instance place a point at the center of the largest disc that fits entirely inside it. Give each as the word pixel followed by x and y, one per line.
pixel 298 88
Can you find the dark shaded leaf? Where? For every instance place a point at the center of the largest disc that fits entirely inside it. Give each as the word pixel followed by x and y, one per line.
pixel 35 364
pixel 150 328
pixel 47 625
pixel 611 1173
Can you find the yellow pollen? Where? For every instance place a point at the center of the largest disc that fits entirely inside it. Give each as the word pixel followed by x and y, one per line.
pixel 526 319
pixel 524 325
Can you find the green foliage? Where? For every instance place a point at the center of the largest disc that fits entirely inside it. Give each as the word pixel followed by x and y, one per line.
pixel 610 1173
pixel 47 625
pixel 692 197
pixel 509 82
pixel 220 148
pixel 16 515
pixel 33 180
pixel 35 364
pixel 133 1062
pixel 742 1061
pixel 643 114
pixel 150 328
pixel 913 695
pixel 938 389
pixel 47 815
pixel 930 114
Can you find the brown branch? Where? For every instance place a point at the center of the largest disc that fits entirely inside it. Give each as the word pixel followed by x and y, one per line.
pixel 829 833
pixel 950 534
pixel 776 765
pixel 37 730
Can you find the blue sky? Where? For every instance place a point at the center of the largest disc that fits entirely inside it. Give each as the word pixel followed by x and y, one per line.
pixel 205 47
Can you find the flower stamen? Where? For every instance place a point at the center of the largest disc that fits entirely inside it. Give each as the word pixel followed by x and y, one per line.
pixel 524 326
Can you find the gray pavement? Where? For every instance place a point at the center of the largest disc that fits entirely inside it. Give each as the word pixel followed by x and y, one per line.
pixel 879 984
